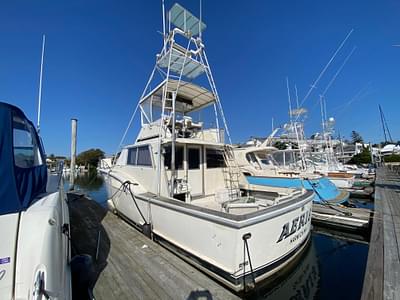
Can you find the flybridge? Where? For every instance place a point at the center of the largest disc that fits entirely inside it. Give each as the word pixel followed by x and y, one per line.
pixel 184 61
pixel 171 91
pixel 185 20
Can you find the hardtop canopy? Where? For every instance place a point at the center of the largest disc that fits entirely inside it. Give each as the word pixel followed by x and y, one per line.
pixel 190 97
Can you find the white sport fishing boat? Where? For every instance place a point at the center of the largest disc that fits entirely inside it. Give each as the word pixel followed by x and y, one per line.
pixel 34 218
pixel 266 165
pixel 326 164
pixel 180 184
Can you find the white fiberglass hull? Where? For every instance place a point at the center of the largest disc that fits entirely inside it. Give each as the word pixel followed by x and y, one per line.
pixel 34 248
pixel 342 183
pixel 214 240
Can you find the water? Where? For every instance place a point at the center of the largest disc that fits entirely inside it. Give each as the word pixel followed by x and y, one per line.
pixel 91 184
pixel 330 268
pixel 362 203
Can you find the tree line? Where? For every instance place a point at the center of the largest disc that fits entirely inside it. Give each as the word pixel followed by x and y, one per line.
pixel 89 158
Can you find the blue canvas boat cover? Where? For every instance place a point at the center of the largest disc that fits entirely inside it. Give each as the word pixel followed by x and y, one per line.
pixel 23 170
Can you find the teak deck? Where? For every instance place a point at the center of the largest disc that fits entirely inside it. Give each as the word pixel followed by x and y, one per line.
pixel 131 266
pixel 382 275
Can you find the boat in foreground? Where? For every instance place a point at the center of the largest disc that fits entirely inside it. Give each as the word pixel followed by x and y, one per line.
pixel 34 218
pixel 179 181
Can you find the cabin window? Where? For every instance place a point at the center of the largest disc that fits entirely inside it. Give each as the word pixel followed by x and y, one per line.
pixel 143 156
pixel 132 156
pixel 194 158
pixel 215 159
pixel 178 157
pixel 139 156
pixel 25 144
pixel 251 158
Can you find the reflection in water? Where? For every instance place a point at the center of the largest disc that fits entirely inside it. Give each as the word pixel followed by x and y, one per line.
pixel 302 282
pixel 298 281
pixel 327 263
pixel 90 183
pixel 362 203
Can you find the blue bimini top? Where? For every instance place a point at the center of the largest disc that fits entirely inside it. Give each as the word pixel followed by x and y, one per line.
pixel 23 170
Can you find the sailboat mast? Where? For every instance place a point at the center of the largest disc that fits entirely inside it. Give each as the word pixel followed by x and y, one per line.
pixel 385 126
pixel 40 83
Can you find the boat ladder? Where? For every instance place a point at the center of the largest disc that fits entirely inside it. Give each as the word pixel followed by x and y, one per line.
pixel 231 173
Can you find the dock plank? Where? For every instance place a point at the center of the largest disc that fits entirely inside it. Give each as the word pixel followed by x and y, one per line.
pixel 382 276
pixel 131 266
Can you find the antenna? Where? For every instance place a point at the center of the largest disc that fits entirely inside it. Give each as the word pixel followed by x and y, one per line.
pixel 290 103
pixel 163 20
pixel 40 83
pixel 201 14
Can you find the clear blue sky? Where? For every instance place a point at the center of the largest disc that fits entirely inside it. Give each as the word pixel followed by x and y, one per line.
pixel 99 55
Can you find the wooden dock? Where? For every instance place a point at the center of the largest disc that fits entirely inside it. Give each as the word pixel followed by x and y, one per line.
pixel 129 265
pixel 382 275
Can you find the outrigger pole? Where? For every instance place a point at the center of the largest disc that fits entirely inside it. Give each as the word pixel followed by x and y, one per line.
pixel 314 85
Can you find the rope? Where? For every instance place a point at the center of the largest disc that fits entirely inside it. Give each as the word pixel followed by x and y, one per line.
pixel 246 249
pixel 325 202
pixel 126 186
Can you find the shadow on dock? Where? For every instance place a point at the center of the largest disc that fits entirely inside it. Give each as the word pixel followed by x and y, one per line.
pixel 89 241
pixel 128 264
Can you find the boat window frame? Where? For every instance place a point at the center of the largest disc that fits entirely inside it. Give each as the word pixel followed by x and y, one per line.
pixel 21 125
pixel 207 159
pixel 188 158
pixel 177 167
pixel 136 148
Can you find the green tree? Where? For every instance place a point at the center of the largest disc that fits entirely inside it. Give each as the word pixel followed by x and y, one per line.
pixel 392 158
pixel 356 137
pixel 90 158
pixel 280 145
pixel 361 158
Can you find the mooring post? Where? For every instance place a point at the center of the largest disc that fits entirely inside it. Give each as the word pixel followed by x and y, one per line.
pixel 74 123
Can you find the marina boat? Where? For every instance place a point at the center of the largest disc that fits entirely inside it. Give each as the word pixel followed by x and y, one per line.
pixel 265 165
pixel 317 163
pixel 179 183
pixel 34 217
pixel 323 163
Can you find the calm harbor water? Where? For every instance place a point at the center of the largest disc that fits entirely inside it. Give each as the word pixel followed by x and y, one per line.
pixel 330 267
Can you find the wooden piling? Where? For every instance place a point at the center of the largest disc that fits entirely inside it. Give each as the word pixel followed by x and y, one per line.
pixel 74 123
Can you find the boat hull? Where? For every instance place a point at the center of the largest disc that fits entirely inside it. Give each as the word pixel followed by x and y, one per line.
pixel 213 240
pixel 341 180
pixel 325 190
